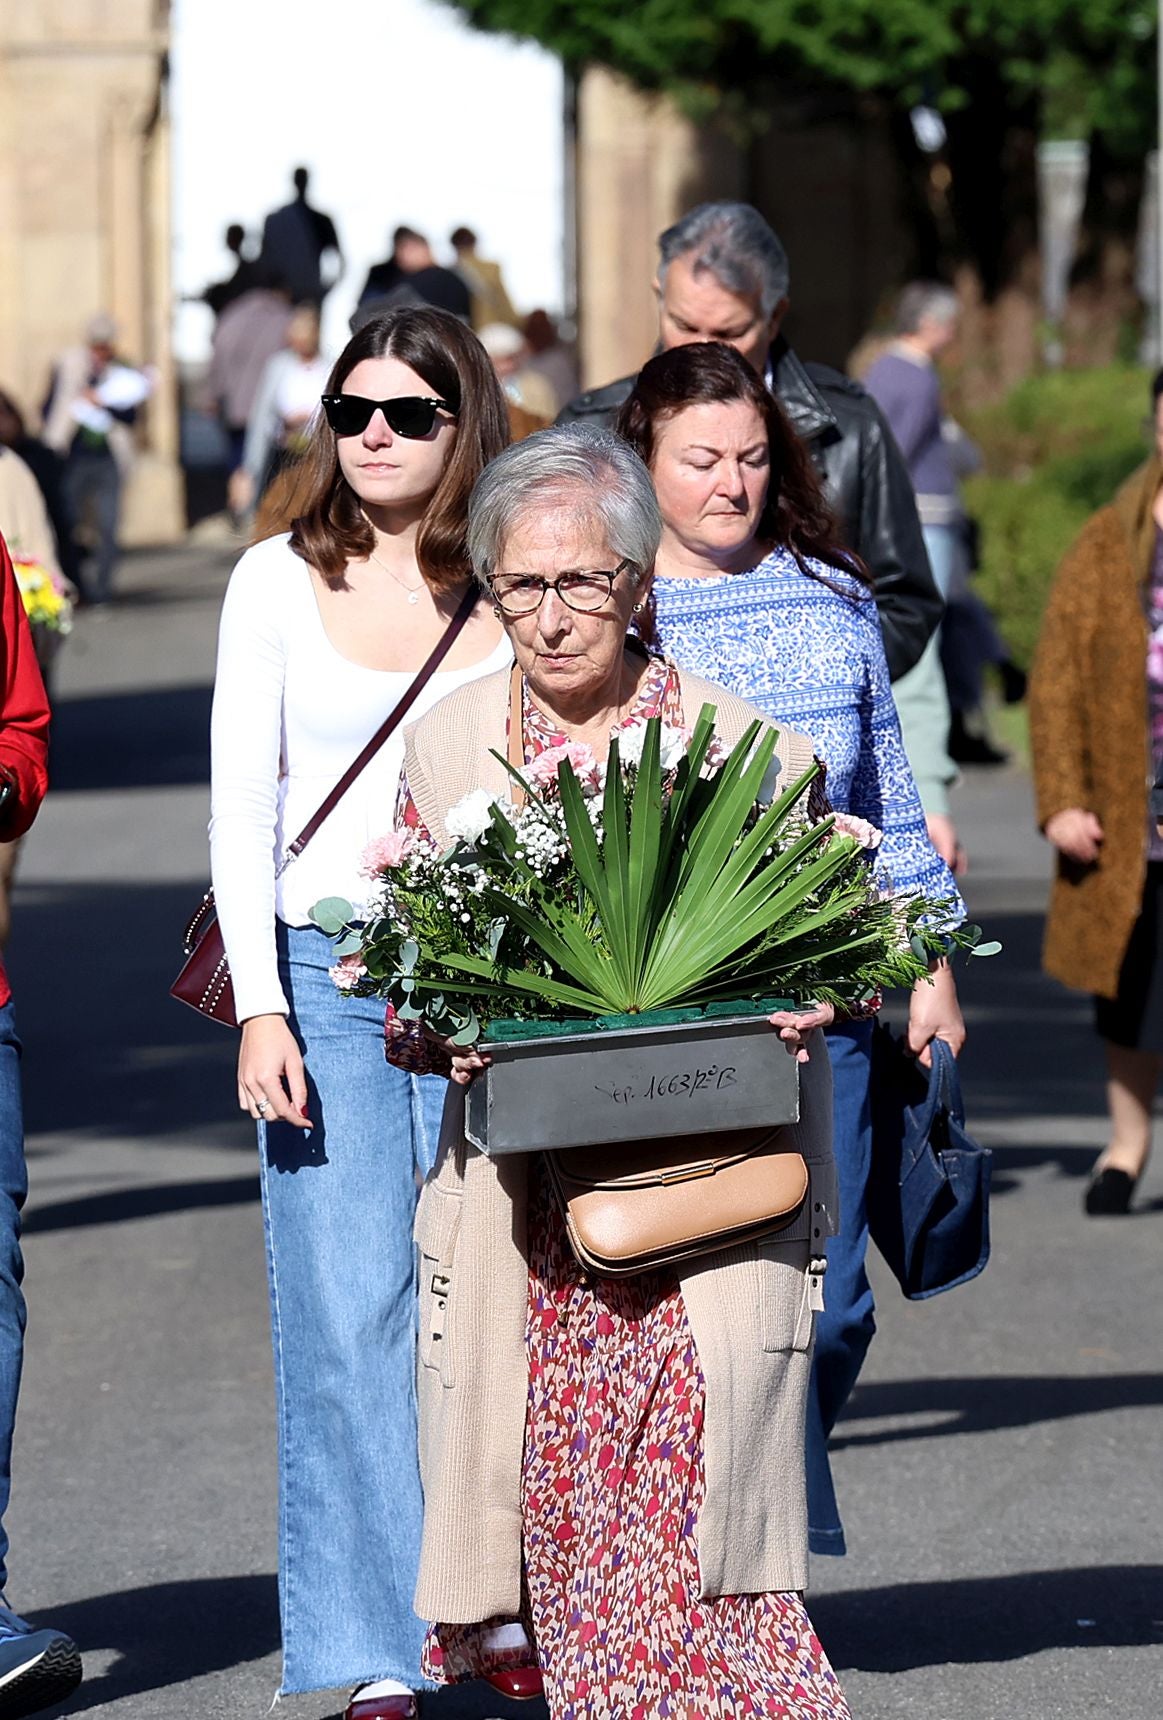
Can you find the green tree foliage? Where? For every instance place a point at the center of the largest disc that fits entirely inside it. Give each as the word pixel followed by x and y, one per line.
pixel 1096 53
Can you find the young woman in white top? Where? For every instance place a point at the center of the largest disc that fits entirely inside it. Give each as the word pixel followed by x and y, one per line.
pixel 324 627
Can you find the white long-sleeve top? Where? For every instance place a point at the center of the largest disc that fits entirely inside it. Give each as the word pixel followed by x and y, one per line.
pixel 290 714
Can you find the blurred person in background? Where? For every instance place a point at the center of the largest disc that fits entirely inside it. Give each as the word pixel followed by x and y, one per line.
pixel 523 387
pixel 92 406
pixel 24 519
pixel 1096 719
pixel 754 588
pixel 324 628
pixel 412 276
pixel 246 273
pixel 46 467
pixel 295 240
pixel 383 278
pixel 549 355
pixel 285 403
pixel 250 331
pixel 905 383
pixel 490 297
pixel 38 1667
pixel 724 276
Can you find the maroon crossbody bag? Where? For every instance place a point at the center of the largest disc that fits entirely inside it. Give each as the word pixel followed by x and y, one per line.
pixel 204 981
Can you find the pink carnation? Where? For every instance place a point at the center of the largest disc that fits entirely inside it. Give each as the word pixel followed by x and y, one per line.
pixel 385 852
pixel 542 773
pixel 866 834
pixel 347 972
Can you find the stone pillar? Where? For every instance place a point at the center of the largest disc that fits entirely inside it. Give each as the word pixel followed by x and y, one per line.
pixel 84 212
pixel 640 164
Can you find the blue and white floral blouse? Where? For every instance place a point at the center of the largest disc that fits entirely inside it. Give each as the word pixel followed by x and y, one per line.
pixel 813 658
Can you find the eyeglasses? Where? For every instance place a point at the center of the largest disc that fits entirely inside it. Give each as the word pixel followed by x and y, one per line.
pixel 410 415
pixel 524 593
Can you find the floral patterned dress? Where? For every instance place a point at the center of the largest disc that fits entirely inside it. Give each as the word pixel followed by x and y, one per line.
pixel 612 1485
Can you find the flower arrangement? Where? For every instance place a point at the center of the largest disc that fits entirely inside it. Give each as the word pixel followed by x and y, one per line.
pixel 669 876
pixel 48 604
pixel 44 595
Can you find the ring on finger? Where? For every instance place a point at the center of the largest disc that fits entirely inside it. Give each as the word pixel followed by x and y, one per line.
pixel 262 1106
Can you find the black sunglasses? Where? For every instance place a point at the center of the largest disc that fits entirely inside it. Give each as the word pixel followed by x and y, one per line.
pixel 407 415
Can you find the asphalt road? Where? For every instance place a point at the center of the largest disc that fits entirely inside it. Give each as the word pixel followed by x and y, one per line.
pixel 1001 1466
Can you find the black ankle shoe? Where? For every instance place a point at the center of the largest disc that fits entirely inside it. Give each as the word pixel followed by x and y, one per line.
pixel 966 748
pixel 1109 1194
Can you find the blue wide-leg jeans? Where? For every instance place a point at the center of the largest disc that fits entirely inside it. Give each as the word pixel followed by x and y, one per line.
pixel 338 1202
pixel 13 1189
pixel 845 1328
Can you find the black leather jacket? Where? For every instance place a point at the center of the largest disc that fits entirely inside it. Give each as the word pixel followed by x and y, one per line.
pixel 865 479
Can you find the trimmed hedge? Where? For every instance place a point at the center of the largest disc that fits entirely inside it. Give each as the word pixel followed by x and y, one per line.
pixel 1055 449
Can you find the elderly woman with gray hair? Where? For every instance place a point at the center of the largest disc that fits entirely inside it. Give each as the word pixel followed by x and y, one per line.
pixel 613 1468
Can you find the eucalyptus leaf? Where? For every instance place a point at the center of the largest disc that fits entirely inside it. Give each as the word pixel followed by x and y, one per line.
pixel 349 943
pixel 331 914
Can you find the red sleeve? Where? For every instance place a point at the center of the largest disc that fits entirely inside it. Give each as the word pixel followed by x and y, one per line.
pixel 24 711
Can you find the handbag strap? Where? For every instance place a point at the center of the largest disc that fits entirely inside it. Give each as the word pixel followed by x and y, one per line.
pixel 435 657
pixel 942 1099
pixel 948 1081
pixel 516 747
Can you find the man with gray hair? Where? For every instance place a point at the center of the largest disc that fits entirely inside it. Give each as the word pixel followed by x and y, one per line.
pixel 723 275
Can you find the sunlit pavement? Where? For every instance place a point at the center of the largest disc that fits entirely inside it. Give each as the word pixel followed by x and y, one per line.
pixel 1001 1468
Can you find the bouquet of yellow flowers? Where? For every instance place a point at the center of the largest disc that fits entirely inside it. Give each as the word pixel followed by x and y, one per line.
pixel 47 604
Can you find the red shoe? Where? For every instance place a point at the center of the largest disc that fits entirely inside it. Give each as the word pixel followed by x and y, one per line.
pixel 519 1683
pixel 381 1708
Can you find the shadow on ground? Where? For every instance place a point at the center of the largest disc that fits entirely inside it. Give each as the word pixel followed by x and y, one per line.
pixel 982 1619
pixel 987 1404
pixel 169 1634
pixel 166 1636
pixel 149 1201
pixel 1032 1050
pixel 107 1050
pixel 156 738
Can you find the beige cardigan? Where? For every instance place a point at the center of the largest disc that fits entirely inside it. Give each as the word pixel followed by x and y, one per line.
pixel 751 1309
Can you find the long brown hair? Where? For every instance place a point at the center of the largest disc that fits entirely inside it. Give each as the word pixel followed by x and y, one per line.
pixel 795 515
pixel 312 498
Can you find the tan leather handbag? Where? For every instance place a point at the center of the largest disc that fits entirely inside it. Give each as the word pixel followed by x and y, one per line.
pixel 635 1208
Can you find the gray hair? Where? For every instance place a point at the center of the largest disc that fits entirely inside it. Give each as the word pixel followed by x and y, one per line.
pixel 734 243
pixel 922 300
pixel 570 463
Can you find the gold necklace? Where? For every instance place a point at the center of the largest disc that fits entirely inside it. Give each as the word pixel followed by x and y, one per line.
pixel 413 591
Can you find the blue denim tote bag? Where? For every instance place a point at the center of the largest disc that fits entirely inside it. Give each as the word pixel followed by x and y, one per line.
pixel 928 1194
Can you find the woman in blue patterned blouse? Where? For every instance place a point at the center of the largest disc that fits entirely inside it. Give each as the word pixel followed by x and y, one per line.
pixel 753 589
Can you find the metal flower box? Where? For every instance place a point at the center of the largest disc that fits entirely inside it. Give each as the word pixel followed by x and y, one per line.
pixel 640 1083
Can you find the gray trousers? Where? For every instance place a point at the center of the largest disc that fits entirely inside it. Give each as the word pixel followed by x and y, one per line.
pixel 92 490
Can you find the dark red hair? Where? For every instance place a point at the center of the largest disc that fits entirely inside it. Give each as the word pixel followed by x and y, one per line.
pixel 795 515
